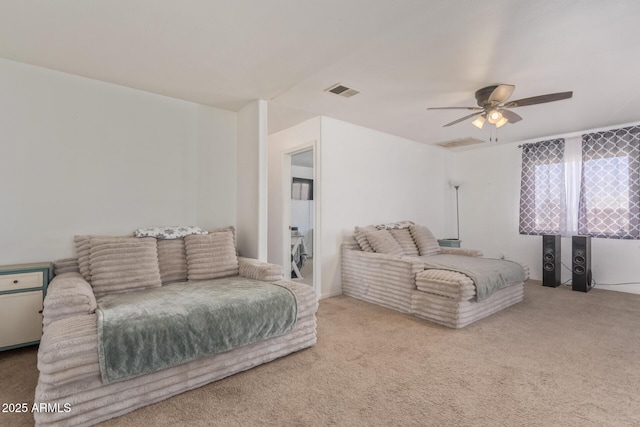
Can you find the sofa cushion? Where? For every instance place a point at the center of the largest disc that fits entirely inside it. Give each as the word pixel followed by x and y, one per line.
pixel 360 233
pixel 66 265
pixel 233 233
pixel 120 264
pixel 404 239
pixel 211 255
pixel 172 260
pixel 425 240
pixel 81 244
pixel 383 242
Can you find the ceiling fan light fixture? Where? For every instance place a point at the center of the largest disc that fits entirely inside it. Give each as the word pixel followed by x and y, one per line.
pixel 503 121
pixel 494 116
pixel 479 122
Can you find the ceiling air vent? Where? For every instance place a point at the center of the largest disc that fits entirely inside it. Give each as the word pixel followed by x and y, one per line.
pixel 342 90
pixel 460 142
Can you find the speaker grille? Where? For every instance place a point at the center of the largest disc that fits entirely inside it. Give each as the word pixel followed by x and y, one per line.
pixel 551 260
pixel 581 263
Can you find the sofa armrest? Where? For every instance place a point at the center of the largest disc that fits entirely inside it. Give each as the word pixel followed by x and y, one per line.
pixel 258 270
pixel 68 295
pixel 461 251
pixel 385 279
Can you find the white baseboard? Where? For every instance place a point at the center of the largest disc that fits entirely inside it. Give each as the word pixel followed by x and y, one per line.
pixel 331 294
pixel 631 289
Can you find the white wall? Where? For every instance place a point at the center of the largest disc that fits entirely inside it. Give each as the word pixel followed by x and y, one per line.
pixel 216 170
pixel 252 180
pixel 489 214
pixel 370 177
pixel 86 157
pixel 367 177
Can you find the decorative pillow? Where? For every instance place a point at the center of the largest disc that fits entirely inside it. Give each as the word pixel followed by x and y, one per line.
pixel 383 242
pixel 404 239
pixel 395 225
pixel 120 264
pixel 425 241
pixel 227 228
pixel 172 260
pixel 66 265
pixel 360 234
pixel 82 250
pixel 210 256
pixel 176 232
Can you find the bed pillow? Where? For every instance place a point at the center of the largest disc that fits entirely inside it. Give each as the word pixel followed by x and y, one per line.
pixel 120 264
pixel 210 256
pixel 425 240
pixel 172 260
pixel 360 233
pixel 404 239
pixel 383 242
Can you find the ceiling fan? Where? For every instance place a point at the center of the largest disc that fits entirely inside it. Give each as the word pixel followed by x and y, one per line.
pixel 492 106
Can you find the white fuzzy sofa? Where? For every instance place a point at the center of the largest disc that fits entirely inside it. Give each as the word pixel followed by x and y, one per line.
pixel 396 274
pixel 68 357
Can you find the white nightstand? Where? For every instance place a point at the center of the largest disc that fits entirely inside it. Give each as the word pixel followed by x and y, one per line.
pixel 22 291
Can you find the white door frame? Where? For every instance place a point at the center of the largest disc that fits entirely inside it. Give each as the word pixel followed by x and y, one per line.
pixel 317 211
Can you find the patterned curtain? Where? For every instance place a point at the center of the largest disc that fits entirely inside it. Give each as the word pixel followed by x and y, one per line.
pixel 542 188
pixel 610 184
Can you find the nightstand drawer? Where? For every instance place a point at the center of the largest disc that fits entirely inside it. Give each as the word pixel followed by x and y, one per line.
pixel 10 282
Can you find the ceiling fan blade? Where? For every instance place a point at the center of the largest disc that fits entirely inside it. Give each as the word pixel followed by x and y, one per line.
pixel 501 93
pixel 541 99
pixel 454 108
pixel 510 115
pixel 462 119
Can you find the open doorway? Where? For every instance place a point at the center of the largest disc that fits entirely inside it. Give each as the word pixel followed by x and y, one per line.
pixel 302 208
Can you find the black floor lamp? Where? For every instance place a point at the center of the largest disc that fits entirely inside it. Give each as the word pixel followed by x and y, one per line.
pixel 455 243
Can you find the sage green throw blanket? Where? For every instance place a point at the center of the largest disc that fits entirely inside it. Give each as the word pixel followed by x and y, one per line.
pixel 489 275
pixel 144 331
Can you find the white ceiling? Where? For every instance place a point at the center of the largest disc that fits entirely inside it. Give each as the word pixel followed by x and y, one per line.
pixel 403 56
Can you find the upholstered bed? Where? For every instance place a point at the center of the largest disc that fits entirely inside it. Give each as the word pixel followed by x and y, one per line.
pixel 406 283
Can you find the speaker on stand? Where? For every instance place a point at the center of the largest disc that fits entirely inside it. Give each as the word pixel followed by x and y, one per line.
pixel 581 263
pixel 551 260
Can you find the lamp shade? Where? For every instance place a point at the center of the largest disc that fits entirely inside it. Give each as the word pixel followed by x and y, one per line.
pixel 503 121
pixel 494 116
pixel 479 122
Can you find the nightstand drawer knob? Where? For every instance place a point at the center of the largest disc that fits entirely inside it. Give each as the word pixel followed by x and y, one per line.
pixel 15 281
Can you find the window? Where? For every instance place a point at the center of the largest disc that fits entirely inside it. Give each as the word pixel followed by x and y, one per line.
pixel 589 186
pixel 609 187
pixel 542 193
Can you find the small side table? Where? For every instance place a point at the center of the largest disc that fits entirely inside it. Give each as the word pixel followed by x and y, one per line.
pixel 22 291
pixel 449 243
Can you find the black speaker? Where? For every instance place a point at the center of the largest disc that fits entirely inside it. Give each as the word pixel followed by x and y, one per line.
pixel 551 260
pixel 581 263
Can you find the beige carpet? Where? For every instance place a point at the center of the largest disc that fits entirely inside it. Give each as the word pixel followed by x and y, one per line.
pixel 560 358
